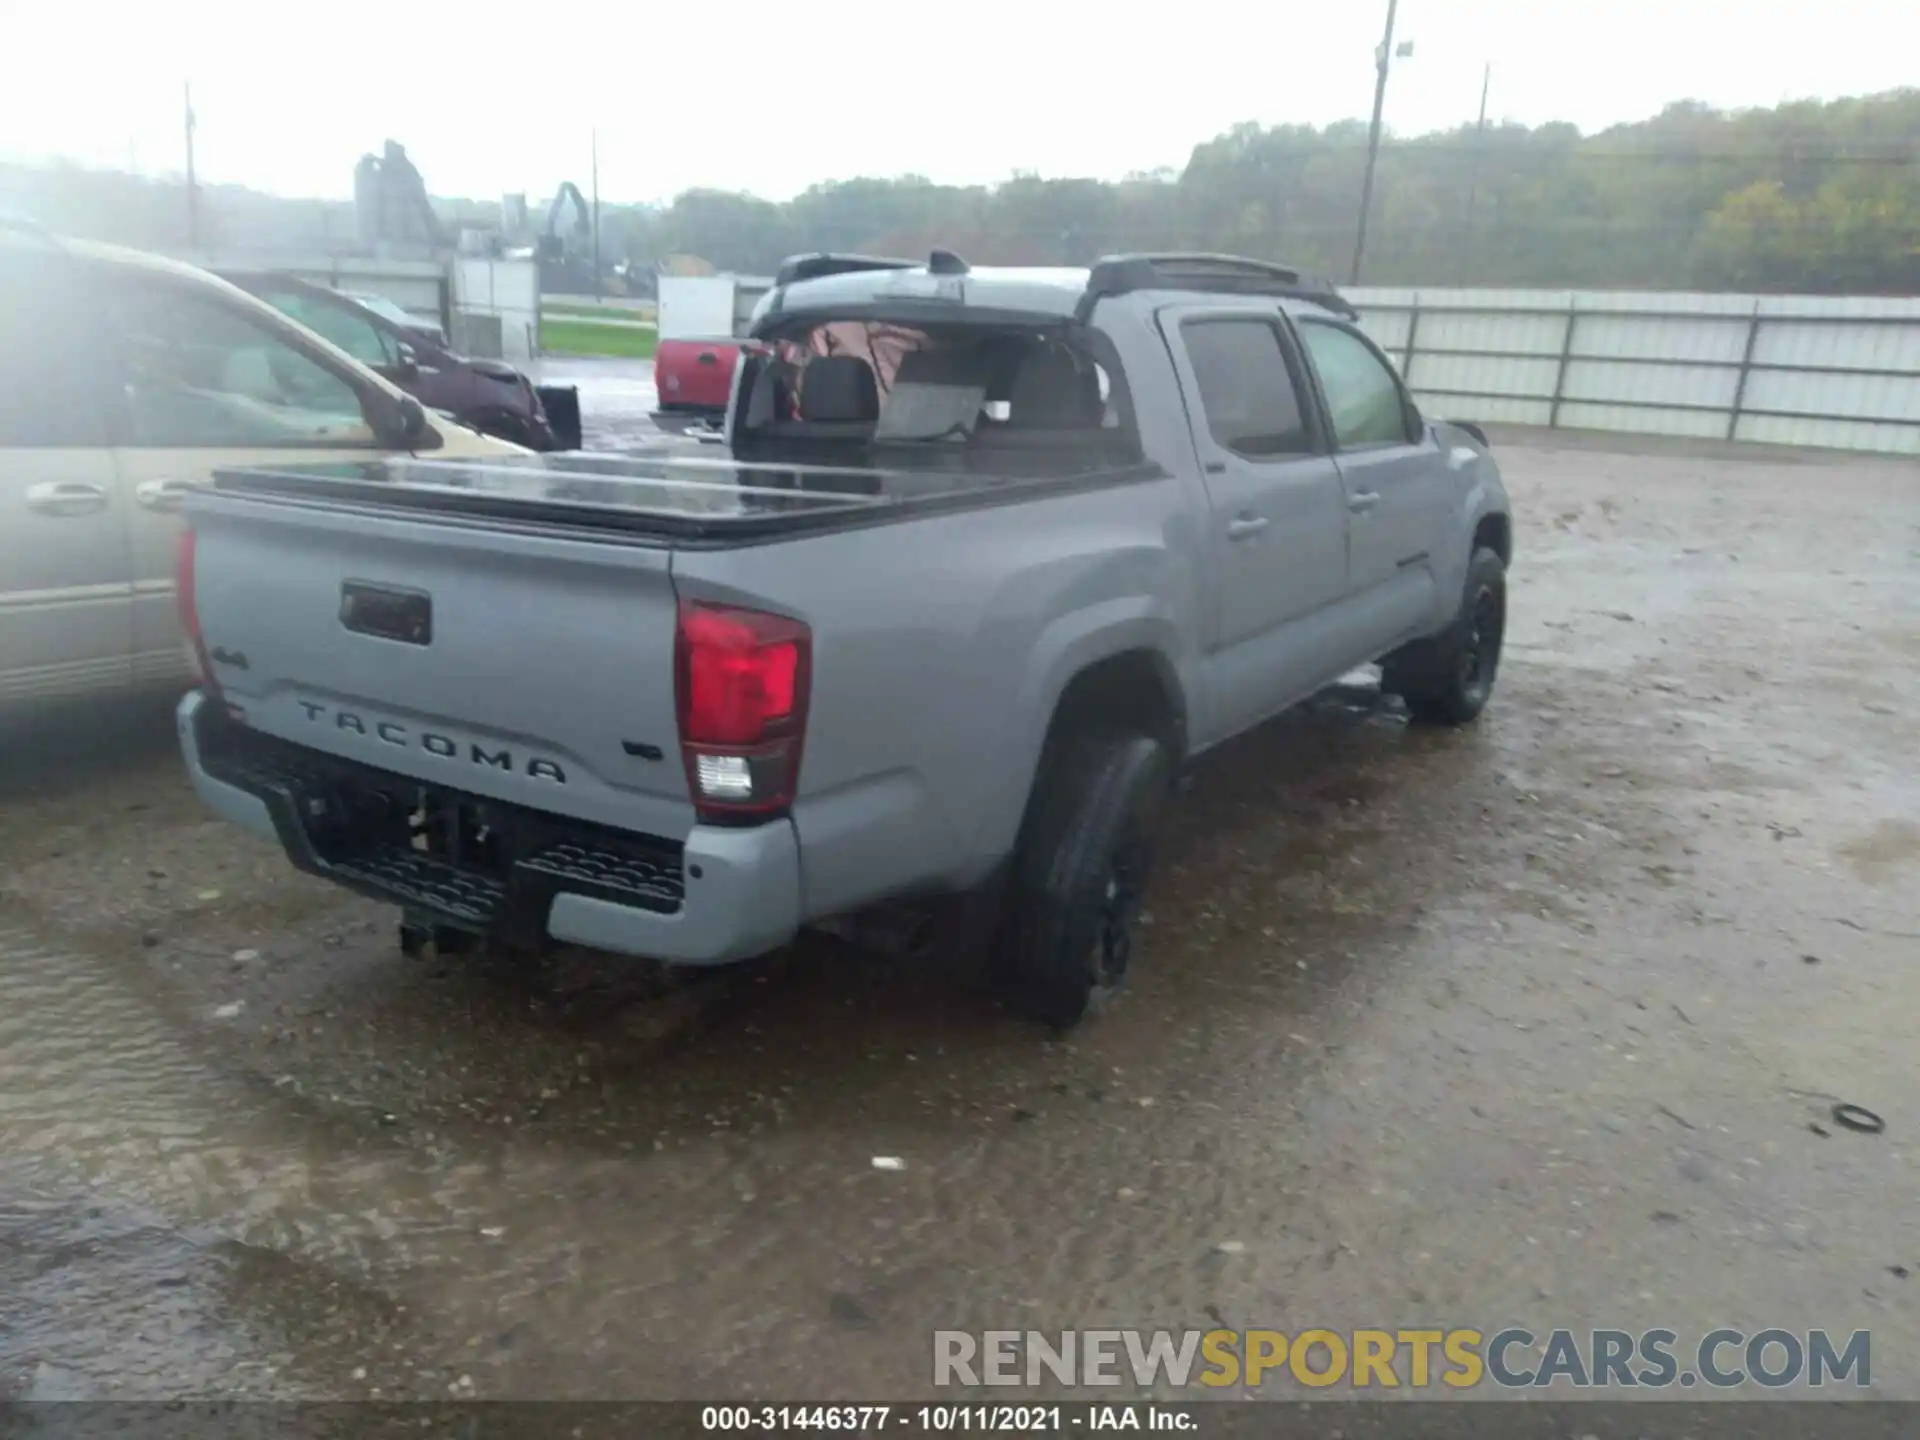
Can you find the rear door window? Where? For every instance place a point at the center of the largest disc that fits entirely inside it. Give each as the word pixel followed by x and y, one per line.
pixel 1248 395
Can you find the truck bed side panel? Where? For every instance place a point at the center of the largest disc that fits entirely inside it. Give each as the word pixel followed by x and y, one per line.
pixel 939 647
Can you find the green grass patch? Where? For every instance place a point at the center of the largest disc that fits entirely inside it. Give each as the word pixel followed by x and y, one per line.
pixel 588 308
pixel 582 337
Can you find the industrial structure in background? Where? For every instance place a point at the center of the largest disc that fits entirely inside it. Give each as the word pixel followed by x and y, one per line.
pixel 395 218
pixel 485 300
pixel 393 213
pixel 562 243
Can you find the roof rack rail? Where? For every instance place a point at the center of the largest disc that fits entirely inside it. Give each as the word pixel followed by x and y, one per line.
pixel 1213 274
pixel 813 267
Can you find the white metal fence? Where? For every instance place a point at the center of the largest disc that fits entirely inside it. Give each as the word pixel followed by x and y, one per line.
pixel 496 307
pixel 1837 371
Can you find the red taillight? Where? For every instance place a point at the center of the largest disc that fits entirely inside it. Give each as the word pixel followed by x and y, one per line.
pixel 189 609
pixel 740 681
pixel 183 585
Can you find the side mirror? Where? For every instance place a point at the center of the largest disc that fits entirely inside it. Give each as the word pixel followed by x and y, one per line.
pixel 409 422
pixel 409 363
pixel 1415 422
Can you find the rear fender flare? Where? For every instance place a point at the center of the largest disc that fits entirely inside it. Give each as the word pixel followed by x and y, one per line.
pixel 1064 649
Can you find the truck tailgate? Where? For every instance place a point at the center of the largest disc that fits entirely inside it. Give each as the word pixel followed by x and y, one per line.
pixel 697 375
pixel 533 668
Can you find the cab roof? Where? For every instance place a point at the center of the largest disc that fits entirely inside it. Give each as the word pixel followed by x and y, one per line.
pixel 826 283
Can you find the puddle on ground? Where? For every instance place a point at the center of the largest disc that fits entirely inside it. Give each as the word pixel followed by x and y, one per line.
pixel 1883 851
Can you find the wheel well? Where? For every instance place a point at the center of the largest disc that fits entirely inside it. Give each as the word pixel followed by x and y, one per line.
pixel 1495 533
pixel 1135 688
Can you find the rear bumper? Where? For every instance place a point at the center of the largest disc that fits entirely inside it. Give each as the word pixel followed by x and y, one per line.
pixel 721 895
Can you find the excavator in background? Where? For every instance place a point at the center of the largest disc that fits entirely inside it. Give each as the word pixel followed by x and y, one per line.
pixel 566 256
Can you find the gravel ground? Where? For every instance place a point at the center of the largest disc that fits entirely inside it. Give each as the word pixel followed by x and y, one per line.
pixel 1541 1022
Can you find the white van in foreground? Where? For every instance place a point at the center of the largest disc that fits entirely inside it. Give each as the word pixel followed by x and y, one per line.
pixel 125 379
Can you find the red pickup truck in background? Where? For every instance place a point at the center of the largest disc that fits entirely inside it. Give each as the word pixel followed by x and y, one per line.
pixel 693 372
pixel 694 377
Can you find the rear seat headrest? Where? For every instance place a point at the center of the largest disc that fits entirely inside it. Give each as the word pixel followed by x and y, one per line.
pixel 1052 390
pixel 839 389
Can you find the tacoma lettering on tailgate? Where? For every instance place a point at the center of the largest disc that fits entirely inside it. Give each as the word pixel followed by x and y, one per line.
pixel 392 732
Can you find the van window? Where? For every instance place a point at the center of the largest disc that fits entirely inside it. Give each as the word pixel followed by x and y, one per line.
pixel 52 366
pixel 201 373
pixel 352 332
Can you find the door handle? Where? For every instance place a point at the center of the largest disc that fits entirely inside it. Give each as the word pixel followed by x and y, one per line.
pixel 67 498
pixel 1245 527
pixel 161 494
pixel 1363 502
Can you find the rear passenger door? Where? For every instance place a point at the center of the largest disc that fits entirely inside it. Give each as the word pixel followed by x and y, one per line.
pixel 1276 544
pixel 65 598
pixel 1394 477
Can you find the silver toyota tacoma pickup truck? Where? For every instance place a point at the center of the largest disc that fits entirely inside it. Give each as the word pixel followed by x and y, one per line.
pixel 987 556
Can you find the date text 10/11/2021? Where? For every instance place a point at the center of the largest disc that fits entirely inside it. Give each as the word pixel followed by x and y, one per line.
pixel 947 1419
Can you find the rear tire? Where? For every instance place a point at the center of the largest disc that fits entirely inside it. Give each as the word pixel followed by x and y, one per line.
pixel 1448 679
pixel 1079 874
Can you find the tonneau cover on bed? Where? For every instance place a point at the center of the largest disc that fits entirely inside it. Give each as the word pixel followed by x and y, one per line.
pixel 678 493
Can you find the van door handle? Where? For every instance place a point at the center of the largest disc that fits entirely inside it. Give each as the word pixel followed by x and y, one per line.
pixel 1245 527
pixel 67 498
pixel 1363 502
pixel 161 494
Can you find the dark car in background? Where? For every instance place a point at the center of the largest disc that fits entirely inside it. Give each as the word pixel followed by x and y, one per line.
pixel 417 326
pixel 489 395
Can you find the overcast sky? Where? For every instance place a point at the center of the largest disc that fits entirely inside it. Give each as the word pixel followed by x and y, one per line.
pixel 771 98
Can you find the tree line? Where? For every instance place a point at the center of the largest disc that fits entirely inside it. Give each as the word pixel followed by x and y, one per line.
pixel 1809 196
pixel 1803 197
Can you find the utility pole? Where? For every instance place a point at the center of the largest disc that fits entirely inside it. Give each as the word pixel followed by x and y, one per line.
pixel 193 190
pixel 1473 173
pixel 595 178
pixel 1383 58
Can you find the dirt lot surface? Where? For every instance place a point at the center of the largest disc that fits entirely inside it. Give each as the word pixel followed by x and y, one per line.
pixel 1542 1022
